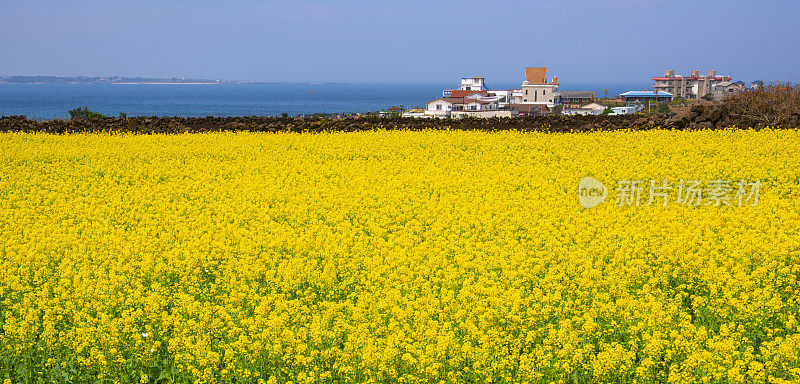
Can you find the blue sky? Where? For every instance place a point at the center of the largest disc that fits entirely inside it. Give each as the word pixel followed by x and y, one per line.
pixel 400 41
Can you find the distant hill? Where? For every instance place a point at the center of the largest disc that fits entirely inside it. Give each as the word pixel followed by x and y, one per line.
pixel 110 80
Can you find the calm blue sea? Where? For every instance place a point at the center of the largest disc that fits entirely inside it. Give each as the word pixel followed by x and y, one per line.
pixel 48 101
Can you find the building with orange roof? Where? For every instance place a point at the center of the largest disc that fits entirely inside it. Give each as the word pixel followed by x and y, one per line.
pixel 537 90
pixel 536 75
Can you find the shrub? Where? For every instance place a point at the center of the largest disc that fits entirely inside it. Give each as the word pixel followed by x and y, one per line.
pixel 773 105
pixel 83 113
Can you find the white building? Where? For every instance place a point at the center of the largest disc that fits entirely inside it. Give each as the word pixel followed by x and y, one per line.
pixel 475 105
pixel 588 109
pixel 628 110
pixel 416 113
pixel 476 83
pixel 448 106
pixel 506 96
pixel 439 107
pixel 472 98
pixel 468 84
pixel 536 89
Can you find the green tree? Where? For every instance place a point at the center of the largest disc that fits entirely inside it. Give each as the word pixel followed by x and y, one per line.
pixel 83 113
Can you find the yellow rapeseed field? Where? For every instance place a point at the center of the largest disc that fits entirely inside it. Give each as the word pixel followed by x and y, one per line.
pixel 397 257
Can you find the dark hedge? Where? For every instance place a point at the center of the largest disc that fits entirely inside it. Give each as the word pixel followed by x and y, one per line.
pixel 701 117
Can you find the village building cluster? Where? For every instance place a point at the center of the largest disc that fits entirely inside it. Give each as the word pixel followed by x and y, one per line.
pixel 539 95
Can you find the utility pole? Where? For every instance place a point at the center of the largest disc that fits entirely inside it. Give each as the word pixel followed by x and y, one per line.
pixel 656 94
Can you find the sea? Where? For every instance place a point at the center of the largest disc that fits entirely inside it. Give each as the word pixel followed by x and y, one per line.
pixel 52 101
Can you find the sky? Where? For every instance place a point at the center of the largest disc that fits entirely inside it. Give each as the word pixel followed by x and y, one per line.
pixel 410 41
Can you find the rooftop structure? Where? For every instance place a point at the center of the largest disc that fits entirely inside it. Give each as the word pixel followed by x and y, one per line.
pixel 475 83
pixel 633 96
pixel 468 84
pixel 463 93
pixel 536 75
pixel 461 100
pixel 576 98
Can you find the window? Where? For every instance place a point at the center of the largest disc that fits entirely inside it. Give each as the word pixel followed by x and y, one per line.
pixel 526 92
pixel 543 93
pixel 438 107
pixel 524 100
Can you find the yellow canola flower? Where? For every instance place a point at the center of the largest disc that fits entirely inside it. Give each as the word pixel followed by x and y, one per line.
pixel 392 256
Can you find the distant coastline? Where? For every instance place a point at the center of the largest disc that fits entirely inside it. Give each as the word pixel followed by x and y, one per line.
pixel 127 80
pixel 165 83
pixel 114 80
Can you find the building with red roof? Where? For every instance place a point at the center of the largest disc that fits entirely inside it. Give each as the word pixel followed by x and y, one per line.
pixel 693 86
pixel 463 93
